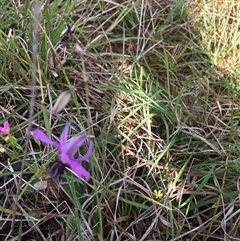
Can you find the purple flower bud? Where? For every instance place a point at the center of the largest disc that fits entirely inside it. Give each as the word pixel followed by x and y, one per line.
pixel 62 101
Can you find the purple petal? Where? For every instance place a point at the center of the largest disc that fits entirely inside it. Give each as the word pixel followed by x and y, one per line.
pixel 5 129
pixel 41 136
pixel 2 131
pixel 65 157
pixel 79 170
pixel 64 135
pixel 6 126
pixel 87 155
pixel 75 166
pixel 74 144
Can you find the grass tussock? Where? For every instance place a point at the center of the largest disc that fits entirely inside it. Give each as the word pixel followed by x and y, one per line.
pixel 156 87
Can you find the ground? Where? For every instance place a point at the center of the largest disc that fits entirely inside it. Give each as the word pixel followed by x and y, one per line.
pixel 155 85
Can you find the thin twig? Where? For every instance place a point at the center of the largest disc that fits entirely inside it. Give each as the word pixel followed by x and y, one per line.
pixel 36 22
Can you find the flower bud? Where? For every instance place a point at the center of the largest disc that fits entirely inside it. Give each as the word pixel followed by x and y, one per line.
pixel 62 101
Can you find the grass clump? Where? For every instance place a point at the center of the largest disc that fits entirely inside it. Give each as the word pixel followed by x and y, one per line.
pixel 150 87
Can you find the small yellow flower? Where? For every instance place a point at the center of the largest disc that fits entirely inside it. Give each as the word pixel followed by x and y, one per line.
pixel 158 194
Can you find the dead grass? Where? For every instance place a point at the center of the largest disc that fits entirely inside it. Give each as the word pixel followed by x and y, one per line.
pixel 217 26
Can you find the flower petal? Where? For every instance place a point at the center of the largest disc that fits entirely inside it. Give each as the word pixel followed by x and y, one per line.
pixel 65 157
pixel 74 144
pixel 64 135
pixel 79 170
pixel 87 155
pixel 5 129
pixel 2 130
pixel 6 126
pixel 41 136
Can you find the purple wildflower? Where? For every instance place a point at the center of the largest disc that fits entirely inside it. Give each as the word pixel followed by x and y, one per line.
pixel 67 150
pixel 5 129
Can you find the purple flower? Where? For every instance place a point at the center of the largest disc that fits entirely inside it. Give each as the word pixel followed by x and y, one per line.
pixel 67 150
pixel 5 129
